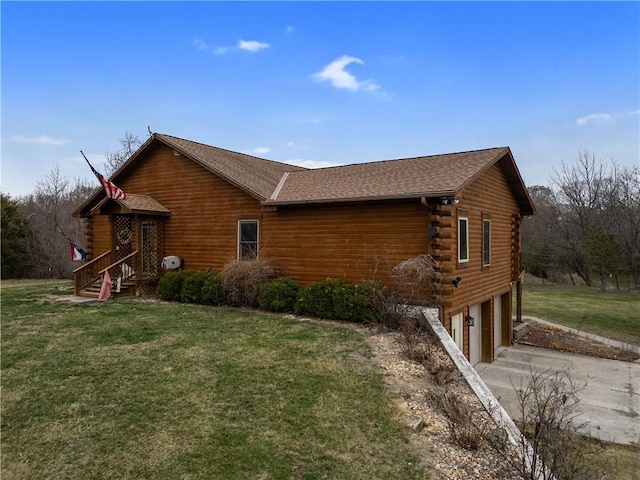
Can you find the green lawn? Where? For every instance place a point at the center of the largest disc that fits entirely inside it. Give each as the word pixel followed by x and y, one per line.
pixel 131 389
pixel 611 314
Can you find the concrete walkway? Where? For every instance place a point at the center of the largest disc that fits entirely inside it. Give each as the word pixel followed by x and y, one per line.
pixel 610 401
pixel 74 299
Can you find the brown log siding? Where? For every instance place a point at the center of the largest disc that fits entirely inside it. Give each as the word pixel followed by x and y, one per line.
pixel 312 242
pixel 490 195
pixel 350 241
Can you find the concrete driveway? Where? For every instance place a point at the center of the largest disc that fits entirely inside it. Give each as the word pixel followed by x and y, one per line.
pixel 610 401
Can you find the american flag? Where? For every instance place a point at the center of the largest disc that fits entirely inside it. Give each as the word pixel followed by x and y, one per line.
pixel 110 188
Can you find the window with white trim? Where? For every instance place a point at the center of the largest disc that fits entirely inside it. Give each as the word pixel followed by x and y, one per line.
pixel 486 242
pixel 247 239
pixel 463 239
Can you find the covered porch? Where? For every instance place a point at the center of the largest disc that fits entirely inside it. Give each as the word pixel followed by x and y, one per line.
pixel 134 260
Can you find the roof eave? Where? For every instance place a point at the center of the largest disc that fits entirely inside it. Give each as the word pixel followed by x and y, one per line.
pixel 320 201
pixel 527 207
pixel 205 165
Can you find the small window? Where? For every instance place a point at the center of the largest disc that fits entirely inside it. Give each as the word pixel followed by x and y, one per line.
pixel 247 239
pixel 463 239
pixel 486 242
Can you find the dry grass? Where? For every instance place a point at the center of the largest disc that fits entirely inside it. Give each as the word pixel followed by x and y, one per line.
pixel 132 389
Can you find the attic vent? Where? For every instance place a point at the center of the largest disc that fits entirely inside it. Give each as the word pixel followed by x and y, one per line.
pixel 176 153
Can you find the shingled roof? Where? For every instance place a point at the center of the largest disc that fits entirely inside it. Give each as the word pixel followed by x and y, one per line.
pixel 275 183
pixel 252 174
pixel 136 204
pixel 437 175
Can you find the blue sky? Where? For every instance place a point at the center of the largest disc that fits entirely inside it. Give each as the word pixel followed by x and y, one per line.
pixel 319 83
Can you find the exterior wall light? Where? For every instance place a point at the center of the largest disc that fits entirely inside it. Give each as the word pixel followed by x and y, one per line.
pixel 456 281
pixel 471 321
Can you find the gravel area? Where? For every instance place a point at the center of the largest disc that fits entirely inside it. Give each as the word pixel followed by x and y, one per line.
pixel 412 386
pixel 546 336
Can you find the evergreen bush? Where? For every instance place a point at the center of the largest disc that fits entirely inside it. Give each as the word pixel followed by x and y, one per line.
pixel 316 299
pixel 356 302
pixel 279 295
pixel 192 284
pixel 213 289
pixel 337 299
pixel 170 286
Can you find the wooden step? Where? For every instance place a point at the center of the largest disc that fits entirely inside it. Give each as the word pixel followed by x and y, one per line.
pixel 127 288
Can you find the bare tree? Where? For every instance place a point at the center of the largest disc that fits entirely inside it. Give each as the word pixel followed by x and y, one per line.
pixel 624 212
pixel 594 197
pixel 129 143
pixel 50 206
pixel 581 190
pixel 539 233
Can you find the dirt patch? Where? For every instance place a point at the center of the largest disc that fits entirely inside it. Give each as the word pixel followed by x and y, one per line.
pixel 546 336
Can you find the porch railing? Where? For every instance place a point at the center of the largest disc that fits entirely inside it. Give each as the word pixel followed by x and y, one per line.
pixel 88 273
pixel 124 269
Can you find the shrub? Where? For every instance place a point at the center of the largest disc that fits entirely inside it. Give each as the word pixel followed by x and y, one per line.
pixel 170 286
pixel 242 281
pixel 317 299
pixel 339 300
pixel 355 302
pixel 279 295
pixel 191 291
pixel 213 289
pixel 464 426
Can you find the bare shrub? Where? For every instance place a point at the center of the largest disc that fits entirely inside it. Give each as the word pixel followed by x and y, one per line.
pixel 548 411
pixel 242 281
pixel 464 424
pixel 407 283
pixel 421 346
pixel 413 280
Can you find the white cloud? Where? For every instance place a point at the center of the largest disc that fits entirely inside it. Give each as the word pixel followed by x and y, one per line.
pixel 246 45
pixel 261 150
pixel 310 163
pixel 40 139
pixel 290 29
pixel 594 117
pixel 252 45
pixel 336 74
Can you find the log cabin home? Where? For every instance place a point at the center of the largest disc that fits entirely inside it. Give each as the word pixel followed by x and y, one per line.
pixel 208 206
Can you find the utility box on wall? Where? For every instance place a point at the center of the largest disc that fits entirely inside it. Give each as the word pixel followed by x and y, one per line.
pixel 171 262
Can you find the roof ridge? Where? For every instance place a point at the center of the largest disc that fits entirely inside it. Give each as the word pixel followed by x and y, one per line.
pixel 230 151
pixel 378 162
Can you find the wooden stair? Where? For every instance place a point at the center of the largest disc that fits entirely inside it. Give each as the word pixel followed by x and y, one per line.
pixel 127 289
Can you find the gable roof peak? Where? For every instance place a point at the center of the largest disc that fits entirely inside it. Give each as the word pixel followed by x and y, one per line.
pixel 257 176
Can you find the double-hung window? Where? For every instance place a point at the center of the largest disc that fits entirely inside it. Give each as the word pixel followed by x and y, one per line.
pixel 463 239
pixel 247 239
pixel 486 242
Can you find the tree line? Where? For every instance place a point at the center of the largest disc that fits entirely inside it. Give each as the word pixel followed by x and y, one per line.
pixel 32 245
pixel 587 226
